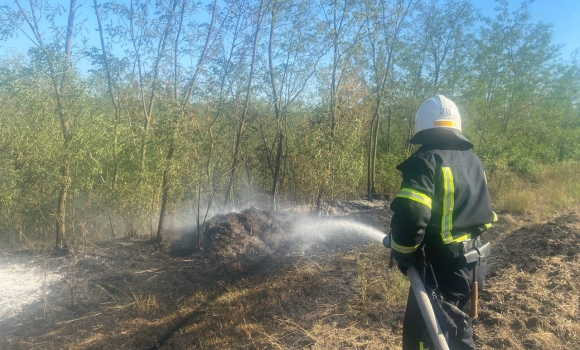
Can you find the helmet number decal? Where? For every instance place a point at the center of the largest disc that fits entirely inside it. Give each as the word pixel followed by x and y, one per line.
pixel 444 111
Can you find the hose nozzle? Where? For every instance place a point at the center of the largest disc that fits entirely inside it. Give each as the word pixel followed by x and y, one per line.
pixel 387 241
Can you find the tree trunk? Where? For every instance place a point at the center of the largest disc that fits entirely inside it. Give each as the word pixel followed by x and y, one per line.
pixel 165 187
pixel 240 130
pixel 277 170
pixel 61 206
pixel 149 111
pixel 278 113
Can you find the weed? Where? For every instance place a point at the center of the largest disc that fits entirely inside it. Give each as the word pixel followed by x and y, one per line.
pixel 146 303
pixel 362 266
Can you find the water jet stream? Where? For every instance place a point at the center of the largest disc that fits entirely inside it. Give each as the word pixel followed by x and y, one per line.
pixel 321 229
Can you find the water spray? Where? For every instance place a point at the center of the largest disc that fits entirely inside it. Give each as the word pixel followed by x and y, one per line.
pixel 320 229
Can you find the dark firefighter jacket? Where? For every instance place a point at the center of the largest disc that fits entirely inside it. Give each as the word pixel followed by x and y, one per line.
pixel 443 200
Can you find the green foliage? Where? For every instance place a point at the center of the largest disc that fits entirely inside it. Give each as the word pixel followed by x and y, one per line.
pixel 390 177
pixel 334 69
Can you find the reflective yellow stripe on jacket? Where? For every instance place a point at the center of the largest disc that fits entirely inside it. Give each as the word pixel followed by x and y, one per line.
pixel 415 195
pixel 418 197
pixel 448 205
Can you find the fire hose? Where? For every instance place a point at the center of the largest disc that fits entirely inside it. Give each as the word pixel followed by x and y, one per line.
pixel 424 302
pixel 427 312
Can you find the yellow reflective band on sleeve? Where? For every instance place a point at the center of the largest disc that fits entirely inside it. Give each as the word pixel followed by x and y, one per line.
pixel 462 238
pixel 494 220
pixel 403 249
pixel 422 346
pixel 415 195
pixel 448 205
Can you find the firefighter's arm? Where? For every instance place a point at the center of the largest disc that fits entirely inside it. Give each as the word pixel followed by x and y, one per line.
pixel 412 209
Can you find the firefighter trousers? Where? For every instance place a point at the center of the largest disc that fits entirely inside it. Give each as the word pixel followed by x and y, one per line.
pixel 454 282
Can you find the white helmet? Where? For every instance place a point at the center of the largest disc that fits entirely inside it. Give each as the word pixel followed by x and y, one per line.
pixel 437 112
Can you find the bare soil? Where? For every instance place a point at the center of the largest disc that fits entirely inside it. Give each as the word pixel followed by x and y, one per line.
pixel 262 282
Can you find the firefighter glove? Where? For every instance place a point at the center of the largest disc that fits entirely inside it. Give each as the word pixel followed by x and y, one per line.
pixel 404 261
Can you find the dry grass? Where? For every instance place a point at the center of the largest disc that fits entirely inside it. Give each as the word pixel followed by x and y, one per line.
pixel 534 310
pixel 317 304
pixel 337 294
pixel 533 296
pixel 146 303
pixel 554 189
pixel 131 299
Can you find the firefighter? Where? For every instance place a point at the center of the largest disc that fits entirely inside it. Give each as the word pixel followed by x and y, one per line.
pixel 440 212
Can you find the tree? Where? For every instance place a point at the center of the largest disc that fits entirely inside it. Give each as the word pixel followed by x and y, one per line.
pixel 383 29
pixel 242 119
pixel 183 106
pixel 116 106
pixel 512 70
pixel 445 43
pixel 344 31
pixel 293 57
pixel 60 73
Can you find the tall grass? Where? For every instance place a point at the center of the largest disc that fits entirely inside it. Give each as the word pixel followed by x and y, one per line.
pixel 551 190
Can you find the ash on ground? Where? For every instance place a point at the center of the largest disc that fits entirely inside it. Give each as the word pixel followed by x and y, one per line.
pixel 24 281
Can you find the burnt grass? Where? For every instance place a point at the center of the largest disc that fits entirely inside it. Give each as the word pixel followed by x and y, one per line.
pixel 256 284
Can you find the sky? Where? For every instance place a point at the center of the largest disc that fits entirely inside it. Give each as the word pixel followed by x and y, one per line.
pixel 564 15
